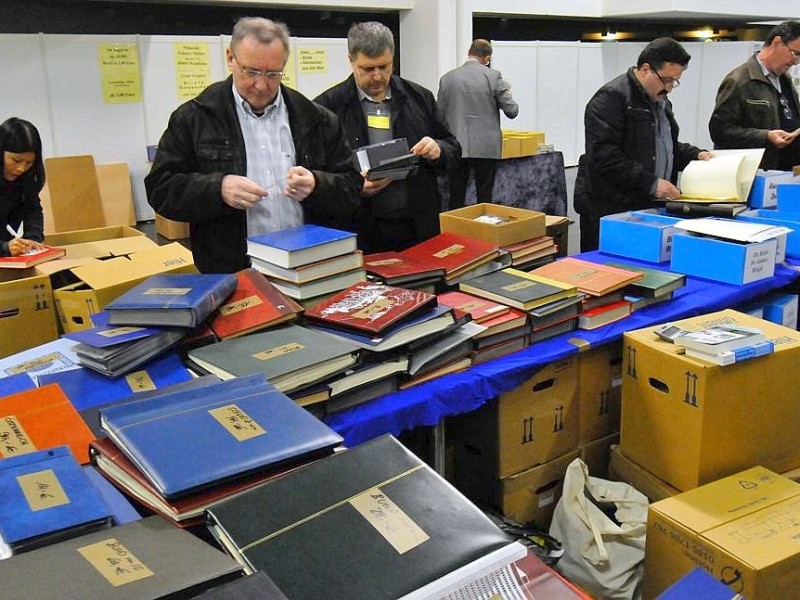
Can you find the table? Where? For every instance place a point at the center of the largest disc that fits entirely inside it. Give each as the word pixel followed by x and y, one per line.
pixel 533 182
pixel 429 403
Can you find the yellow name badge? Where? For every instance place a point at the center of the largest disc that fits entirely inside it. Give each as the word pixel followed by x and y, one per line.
pixel 379 121
pixel 389 520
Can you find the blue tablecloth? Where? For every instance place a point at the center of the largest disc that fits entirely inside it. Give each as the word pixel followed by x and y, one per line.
pixel 428 403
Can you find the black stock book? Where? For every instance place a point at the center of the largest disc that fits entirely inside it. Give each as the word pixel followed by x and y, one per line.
pixel 370 522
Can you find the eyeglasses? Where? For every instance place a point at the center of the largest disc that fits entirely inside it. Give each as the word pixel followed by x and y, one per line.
pixel 667 80
pixel 795 53
pixel 787 111
pixel 250 73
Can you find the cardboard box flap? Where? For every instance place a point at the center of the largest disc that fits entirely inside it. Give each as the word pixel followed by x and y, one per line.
pixel 730 498
pixel 96 234
pixel 118 270
pixel 729 229
pixel 762 539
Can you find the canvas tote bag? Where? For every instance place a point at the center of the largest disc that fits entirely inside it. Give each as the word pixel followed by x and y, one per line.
pixel 603 554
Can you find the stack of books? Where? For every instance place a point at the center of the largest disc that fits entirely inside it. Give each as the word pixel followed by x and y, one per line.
pixel 654 287
pixel 116 350
pixel 387 322
pixel 450 353
pixel 553 302
pixel 725 344
pixel 245 431
pixel 395 268
pixel 291 357
pixel 601 284
pixel 458 255
pixel 529 254
pixel 308 262
pixel 254 305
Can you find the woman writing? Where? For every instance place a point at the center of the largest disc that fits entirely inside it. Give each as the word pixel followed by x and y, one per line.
pixel 21 219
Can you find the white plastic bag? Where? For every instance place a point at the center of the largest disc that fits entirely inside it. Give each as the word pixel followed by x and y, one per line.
pixel 601 556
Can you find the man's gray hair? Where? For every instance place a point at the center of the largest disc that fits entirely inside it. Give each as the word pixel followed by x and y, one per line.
pixel 371 39
pixel 264 30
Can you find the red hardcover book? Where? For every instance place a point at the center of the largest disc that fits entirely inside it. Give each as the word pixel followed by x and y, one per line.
pixel 186 511
pixel 255 304
pixel 480 309
pixel 23 261
pixel 371 308
pixel 590 278
pixel 42 418
pixel 603 315
pixel 454 253
pixel 395 268
pixel 513 318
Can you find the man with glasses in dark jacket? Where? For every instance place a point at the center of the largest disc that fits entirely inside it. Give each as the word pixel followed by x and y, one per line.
pixel 376 106
pixel 757 105
pixel 249 156
pixel 633 155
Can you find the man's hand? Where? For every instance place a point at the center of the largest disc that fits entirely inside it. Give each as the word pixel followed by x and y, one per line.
pixel 665 190
pixel 780 138
pixel 705 155
pixel 300 183
pixel 427 148
pixel 371 188
pixel 241 192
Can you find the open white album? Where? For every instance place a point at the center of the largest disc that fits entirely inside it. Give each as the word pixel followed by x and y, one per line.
pixel 727 177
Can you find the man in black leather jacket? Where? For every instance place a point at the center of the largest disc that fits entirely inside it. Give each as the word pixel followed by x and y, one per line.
pixel 374 106
pixel 220 168
pixel 632 150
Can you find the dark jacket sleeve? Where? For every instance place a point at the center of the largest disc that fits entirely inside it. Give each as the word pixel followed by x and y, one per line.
pixel 727 122
pixel 450 148
pixel 604 121
pixel 185 181
pixel 33 216
pixel 336 194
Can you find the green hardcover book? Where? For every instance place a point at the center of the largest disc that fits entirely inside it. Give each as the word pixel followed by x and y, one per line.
pixel 654 283
pixel 518 289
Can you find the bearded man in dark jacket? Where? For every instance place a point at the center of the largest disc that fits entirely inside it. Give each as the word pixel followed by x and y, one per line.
pixel 376 106
pixel 250 156
pixel 633 155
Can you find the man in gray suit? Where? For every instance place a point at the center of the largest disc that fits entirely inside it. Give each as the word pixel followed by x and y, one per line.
pixel 471 97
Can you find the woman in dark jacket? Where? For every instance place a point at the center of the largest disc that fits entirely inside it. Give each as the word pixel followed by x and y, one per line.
pixel 21 219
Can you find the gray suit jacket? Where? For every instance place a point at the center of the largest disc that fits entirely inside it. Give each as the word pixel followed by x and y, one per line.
pixel 471 97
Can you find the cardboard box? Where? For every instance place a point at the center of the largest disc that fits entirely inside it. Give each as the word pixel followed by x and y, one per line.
pixel 101 242
pixel 511 146
pixel 27 310
pixel 533 494
pixel 172 230
pixel 99 282
pixel 690 422
pixel 644 235
pixel 780 219
pixel 520 224
pixel 722 260
pixel 622 468
pixel 597 455
pixel 525 427
pixel 788 196
pixel 741 529
pixel 764 192
pixel 599 391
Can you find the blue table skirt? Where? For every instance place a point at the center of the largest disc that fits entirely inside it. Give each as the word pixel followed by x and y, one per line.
pixel 427 404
